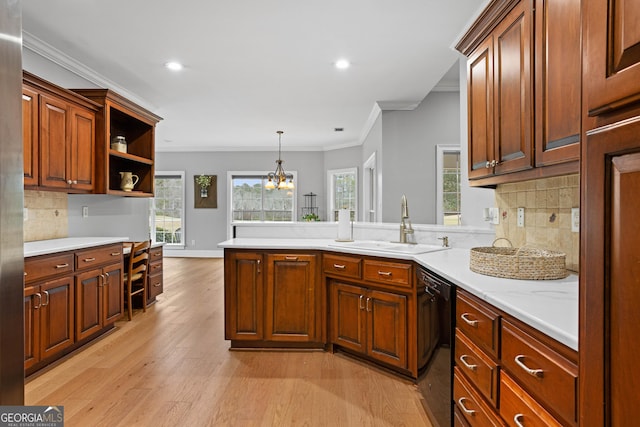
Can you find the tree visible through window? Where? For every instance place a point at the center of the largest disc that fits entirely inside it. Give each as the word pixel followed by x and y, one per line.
pixel 167 223
pixel 451 188
pixel 250 201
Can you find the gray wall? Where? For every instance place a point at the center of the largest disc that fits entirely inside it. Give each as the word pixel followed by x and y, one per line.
pixel 409 140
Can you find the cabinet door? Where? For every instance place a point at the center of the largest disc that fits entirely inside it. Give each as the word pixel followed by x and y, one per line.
pixel 612 54
pixel 30 135
pixel 558 50
pixel 32 302
pixel 56 316
pixel 609 261
pixel 387 327
pixel 88 303
pixel 244 296
pixel 290 304
pixel 54 134
pixel 348 325
pixel 81 149
pixel 512 85
pixel 113 294
pixel 480 110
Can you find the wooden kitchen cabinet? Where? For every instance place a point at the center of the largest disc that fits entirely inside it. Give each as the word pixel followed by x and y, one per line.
pixel 243 296
pixel 291 297
pixel 58 137
pixel 506 370
pixel 370 322
pixel 49 319
pixel 118 116
pixel 154 280
pixel 523 81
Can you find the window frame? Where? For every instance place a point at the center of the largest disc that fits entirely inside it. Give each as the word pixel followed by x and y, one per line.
pixel 331 190
pixel 441 150
pixel 152 216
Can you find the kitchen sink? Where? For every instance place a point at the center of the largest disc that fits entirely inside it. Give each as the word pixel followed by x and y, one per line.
pixel 403 248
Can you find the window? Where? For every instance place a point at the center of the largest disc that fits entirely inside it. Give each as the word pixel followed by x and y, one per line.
pixel 167 211
pixel 343 192
pixel 370 189
pixel 250 201
pixel 448 181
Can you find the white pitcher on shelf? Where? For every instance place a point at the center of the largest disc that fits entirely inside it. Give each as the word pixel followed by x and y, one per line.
pixel 128 180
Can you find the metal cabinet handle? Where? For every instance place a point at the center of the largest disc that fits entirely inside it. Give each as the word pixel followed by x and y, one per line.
pixel 427 290
pixel 361 305
pixel 75 181
pixel 37 306
pixel 487 165
pixel 46 302
pixel 464 408
pixel 291 258
pixel 472 323
pixel 467 364
pixel 258 263
pixel 66 264
pixel 339 266
pixel 69 182
pixel 89 259
pixel 115 253
pixel 101 281
pixel 538 373
pixel 517 418
pixel 156 285
pixel 368 308
pixel 384 273
pixel 493 163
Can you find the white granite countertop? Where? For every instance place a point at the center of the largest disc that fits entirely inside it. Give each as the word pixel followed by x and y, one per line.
pixel 43 247
pixel 550 306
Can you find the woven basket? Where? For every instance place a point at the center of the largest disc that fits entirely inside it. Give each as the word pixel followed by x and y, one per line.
pixel 518 263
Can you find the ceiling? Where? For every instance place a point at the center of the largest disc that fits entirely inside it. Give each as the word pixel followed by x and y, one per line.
pixel 252 67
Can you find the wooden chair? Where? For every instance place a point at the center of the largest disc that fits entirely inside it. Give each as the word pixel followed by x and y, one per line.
pixel 135 277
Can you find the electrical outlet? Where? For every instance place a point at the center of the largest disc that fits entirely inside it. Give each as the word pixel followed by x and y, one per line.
pixel 85 212
pixel 495 216
pixel 575 220
pixel 520 217
pixel 193 242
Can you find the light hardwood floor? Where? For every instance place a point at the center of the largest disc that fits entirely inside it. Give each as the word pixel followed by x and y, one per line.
pixel 171 366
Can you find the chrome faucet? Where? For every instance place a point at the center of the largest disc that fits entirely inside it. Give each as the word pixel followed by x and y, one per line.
pixel 405 222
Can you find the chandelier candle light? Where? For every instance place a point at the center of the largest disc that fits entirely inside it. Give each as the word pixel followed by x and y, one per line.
pixel 279 177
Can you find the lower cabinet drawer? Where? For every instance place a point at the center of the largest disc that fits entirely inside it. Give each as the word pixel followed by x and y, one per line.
pixel 547 375
pixel 477 366
pixel 471 405
pixel 93 257
pixel 42 267
pixel 391 273
pixel 155 286
pixel 342 266
pixel 520 409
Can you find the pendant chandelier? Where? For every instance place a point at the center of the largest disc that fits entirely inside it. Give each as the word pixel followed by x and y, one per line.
pixel 279 178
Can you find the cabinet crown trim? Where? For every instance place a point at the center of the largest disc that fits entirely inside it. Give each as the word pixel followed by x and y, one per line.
pixel 484 24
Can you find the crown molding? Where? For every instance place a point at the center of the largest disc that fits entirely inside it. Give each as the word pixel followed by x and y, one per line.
pixel 45 50
pixel 398 105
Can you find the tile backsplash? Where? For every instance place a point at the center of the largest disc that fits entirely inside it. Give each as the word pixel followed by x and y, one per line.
pixel 547 207
pixel 47 215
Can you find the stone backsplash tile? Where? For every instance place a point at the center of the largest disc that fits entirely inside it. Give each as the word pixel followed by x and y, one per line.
pixel 547 204
pixel 47 216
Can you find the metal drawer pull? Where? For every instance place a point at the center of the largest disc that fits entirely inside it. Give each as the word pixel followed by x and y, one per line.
pixel 339 266
pixel 361 304
pixel 466 411
pixel 538 373
pixel 89 259
pixel 115 253
pixel 516 419
pixel 66 264
pixel 157 285
pixel 473 323
pixel 291 258
pixel 467 364
pixel 384 273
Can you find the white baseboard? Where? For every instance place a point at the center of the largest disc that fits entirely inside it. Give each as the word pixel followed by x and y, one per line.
pixel 187 253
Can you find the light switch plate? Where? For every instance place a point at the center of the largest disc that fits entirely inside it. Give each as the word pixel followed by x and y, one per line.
pixel 575 220
pixel 85 211
pixel 495 216
pixel 520 217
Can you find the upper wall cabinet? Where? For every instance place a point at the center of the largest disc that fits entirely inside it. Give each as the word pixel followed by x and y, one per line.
pixel 59 129
pixel 119 117
pixel 523 80
pixel 612 57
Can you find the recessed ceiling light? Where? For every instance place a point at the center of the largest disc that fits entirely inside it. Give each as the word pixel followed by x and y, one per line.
pixel 342 64
pixel 174 66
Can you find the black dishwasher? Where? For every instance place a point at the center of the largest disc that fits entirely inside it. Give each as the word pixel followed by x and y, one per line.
pixel 436 299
